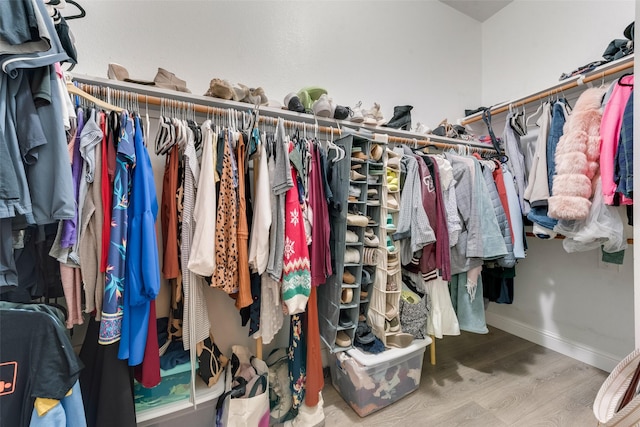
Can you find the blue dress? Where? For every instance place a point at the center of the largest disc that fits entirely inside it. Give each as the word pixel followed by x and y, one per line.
pixel 112 306
pixel 142 275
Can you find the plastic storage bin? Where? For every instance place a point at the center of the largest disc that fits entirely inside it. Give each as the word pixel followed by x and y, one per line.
pixel 370 382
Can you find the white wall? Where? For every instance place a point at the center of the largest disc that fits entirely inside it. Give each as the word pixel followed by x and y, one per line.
pixel 420 53
pixel 569 302
pixel 530 43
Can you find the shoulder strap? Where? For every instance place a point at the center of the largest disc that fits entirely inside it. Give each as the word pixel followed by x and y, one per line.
pixel 261 381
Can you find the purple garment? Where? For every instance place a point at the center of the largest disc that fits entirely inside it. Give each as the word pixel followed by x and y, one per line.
pixel 319 251
pixel 429 199
pixel 69 235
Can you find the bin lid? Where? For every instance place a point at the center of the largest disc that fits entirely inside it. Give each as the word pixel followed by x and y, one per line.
pixel 389 354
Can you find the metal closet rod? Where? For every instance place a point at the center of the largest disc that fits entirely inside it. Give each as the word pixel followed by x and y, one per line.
pixel 583 79
pixel 210 110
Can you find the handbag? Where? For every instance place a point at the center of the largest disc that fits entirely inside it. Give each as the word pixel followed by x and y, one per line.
pixel 245 402
pixel 413 312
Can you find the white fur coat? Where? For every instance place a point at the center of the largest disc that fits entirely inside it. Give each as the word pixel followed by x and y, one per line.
pixel 577 156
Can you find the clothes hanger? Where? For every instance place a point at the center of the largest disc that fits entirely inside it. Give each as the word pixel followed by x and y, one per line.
pixel 535 115
pixel 625 84
pixel 515 121
pixel 82 13
pixel 74 90
pixel 165 137
pixel 340 153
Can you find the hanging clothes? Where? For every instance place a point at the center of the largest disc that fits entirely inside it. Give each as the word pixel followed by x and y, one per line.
pixel 319 250
pixel 64 248
pixel 624 156
pixel 90 248
pixel 170 244
pixel 108 175
pixel 425 261
pixel 281 183
pixel 467 253
pixel 443 259
pixel 296 269
pixel 610 137
pixel 50 184
pixel 537 191
pixel 448 188
pixel 111 321
pixel 196 316
pixel 202 258
pixel 142 279
pixel 37 359
pixel 201 261
pixel 413 222
pixel 577 159
pixel 244 298
pixel 516 160
pixel 315 378
pixel 320 254
pixel 544 224
pixel 106 383
pixel 259 244
pixel 515 214
pixel 441 319
pixel 498 284
pixel 468 302
pixel 226 274
pixel 508 260
pixel 297 354
pixel 493 245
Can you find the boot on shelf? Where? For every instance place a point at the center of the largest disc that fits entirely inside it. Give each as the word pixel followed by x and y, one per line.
pixel 401 118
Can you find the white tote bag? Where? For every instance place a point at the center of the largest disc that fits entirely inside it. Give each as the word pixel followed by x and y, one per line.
pixel 245 402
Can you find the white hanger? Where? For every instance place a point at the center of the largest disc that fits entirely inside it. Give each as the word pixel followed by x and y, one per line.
pixel 534 115
pixel 340 154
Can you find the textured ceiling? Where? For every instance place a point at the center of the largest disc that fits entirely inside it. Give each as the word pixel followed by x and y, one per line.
pixel 480 10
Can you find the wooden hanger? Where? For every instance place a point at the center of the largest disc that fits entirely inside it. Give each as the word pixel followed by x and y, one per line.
pixel 74 90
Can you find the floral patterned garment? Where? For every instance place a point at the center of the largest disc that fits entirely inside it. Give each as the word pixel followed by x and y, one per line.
pixel 112 306
pixel 297 360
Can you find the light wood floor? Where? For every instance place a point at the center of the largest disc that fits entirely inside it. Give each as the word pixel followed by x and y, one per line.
pixel 487 380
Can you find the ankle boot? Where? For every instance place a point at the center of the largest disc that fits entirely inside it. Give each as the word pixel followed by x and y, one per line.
pixel 401 118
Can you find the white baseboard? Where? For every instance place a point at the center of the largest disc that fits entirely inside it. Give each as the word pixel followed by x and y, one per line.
pixel 552 341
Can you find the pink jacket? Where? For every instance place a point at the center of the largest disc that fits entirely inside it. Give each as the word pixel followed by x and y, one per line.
pixel 577 156
pixel 610 135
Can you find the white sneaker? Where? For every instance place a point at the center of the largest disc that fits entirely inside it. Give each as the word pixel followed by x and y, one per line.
pixel 309 417
pixel 420 128
pixel 373 116
pixel 322 107
pixel 357 116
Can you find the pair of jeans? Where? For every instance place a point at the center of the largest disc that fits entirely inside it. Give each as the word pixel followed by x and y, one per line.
pixel 558 118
